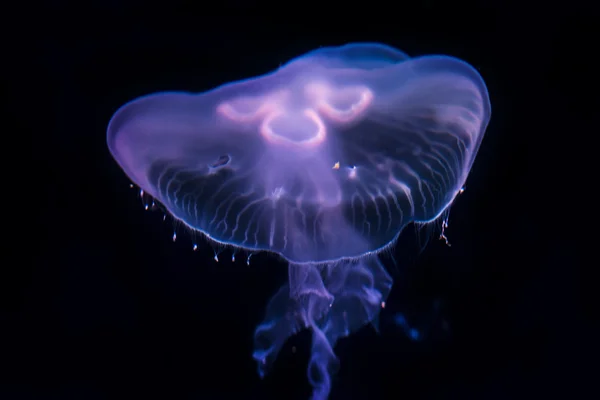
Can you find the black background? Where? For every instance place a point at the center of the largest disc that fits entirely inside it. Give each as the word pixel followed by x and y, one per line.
pixel 101 304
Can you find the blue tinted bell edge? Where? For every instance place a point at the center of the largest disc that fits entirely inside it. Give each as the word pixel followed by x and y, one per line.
pixel 323 162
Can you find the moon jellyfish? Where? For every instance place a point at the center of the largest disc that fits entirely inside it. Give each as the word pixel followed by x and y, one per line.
pixel 323 162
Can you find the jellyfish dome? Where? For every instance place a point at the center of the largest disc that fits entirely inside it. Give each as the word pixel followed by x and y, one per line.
pixel 323 161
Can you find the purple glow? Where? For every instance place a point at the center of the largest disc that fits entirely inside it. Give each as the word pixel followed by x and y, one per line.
pixel 324 162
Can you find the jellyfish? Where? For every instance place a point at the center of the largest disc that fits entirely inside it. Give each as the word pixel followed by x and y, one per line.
pixel 323 162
